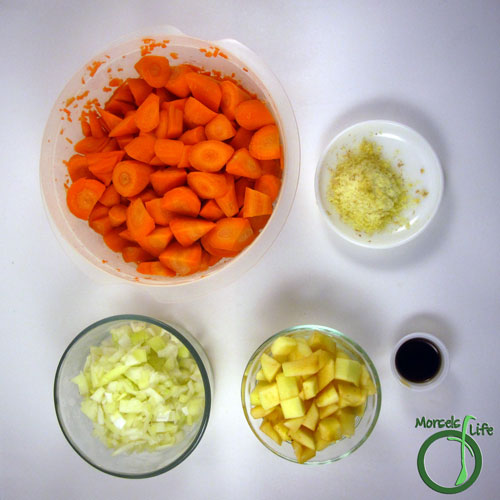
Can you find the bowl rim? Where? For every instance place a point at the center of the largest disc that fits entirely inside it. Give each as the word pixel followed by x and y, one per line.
pixel 424 144
pixel 204 375
pixel 332 332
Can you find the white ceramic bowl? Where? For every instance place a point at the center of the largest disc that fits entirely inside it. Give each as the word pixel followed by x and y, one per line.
pixel 420 168
pixel 86 247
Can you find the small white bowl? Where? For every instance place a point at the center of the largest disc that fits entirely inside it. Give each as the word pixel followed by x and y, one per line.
pixel 443 369
pixel 405 149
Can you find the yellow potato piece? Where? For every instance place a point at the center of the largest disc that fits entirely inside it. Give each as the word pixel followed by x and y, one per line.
pixel 303 367
pixel 293 407
pixel 269 396
pixel 348 370
pixel 287 386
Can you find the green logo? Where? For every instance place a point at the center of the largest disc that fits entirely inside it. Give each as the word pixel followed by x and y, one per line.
pixel 463 481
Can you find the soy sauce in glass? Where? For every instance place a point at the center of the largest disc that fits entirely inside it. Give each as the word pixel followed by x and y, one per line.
pixel 418 360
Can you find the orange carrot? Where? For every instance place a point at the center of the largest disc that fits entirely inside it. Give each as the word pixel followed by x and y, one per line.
pixel 175 123
pixel 95 126
pixel 161 216
pixel 207 185
pixel 213 251
pixel 123 140
pixel 98 211
pixel 166 179
pixel 232 95
pixel 123 93
pixel 239 186
pixel 187 230
pixel 102 164
pixel 155 268
pixel 256 203
pixel 265 143
pixel 114 241
pixel 154 69
pixel 228 202
pixel 147 116
pixel 182 260
pixel 110 196
pixel 86 128
pixel 162 129
pixel 145 195
pixel 126 235
pixel 241 138
pixel 139 222
pixel 78 167
pixel 196 113
pixel 268 184
pixel 176 104
pixel 230 234
pixel 169 151
pixel 141 148
pixel 177 83
pixel 130 177
pixel 156 241
pixel 193 135
pixel 101 226
pixel 125 127
pixel 184 161
pixel 253 114
pixel 210 156
pixel 211 211
pixel 117 215
pixel 258 222
pixel 244 165
pixel 205 89
pixel 82 196
pixel 140 89
pixel 164 95
pixel 110 120
pixel 119 108
pixel 219 128
pixel 272 167
pixel 182 200
pixel 205 261
pixel 90 145
pixel 134 253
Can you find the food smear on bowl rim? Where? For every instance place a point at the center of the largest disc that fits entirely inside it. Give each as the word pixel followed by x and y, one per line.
pixel 177 144
pixel 366 190
pixel 141 388
pixel 309 393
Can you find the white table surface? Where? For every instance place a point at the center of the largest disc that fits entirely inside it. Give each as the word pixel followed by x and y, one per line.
pixel 434 66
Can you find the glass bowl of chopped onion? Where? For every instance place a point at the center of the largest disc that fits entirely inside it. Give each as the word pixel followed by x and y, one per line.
pixel 133 395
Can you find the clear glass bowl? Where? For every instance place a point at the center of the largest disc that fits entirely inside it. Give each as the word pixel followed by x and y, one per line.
pixel 86 247
pixel 77 427
pixel 364 424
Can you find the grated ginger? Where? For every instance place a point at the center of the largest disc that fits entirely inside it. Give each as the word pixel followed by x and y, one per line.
pixel 366 190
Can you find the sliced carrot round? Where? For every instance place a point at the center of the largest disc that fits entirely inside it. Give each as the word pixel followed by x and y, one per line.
pixel 154 69
pixel 210 156
pixel 82 196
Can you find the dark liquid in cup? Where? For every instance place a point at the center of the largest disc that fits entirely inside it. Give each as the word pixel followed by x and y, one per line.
pixel 418 360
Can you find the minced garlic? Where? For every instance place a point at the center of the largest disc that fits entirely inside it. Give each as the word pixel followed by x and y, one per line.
pixel 366 190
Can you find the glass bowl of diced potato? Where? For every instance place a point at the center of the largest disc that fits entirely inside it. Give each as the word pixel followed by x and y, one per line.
pixel 311 395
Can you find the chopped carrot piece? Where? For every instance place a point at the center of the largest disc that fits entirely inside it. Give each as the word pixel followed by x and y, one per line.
pixel 193 135
pixel 95 126
pixel 137 254
pixel 184 161
pixel 130 177
pixel 239 186
pixel 182 260
pixel 182 200
pixel 154 69
pixel 162 129
pixel 258 222
pixel 241 139
pixel 155 268
pixel 114 241
pixel 216 252
pixel 207 185
pixel 90 145
pixel 98 211
pixel 253 114
pixel 110 120
pixel 272 167
pixel 169 151
pixel 244 165
pixel 161 216
pixel 230 234
pixel 141 148
pixel 210 156
pixel 256 203
pixel 126 235
pixel 164 95
pixel 265 143
pixel 117 215
pixel 82 196
pixel 86 128
pixel 166 179
pixel 78 167
pixel 147 116
pixel 196 113
pixel 101 226
pixel 205 89
pixel 140 89
pixel 123 140
pixel 156 241
pixel 139 222
pixel 177 83
pixel 228 202
pixel 175 121
pixel 211 211
pixel 126 127
pixel 187 230
pixel 102 164
pixel 232 95
pixel 145 195
pixel 110 196
pixel 219 128
pixel 268 184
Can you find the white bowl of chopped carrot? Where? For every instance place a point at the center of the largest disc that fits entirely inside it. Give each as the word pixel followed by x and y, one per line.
pixel 170 162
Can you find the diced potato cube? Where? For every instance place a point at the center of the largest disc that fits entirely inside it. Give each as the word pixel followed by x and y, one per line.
pixel 270 367
pixel 342 354
pixel 319 340
pixel 310 387
pixel 305 437
pixel 321 444
pixel 269 396
pixel 347 421
pixel 366 381
pixel 260 376
pixel 326 374
pixel 302 453
pixel 276 415
pixel 323 357
pixel 312 417
pixel 302 350
pixel 302 367
pixel 283 346
pixel 350 395
pixel 348 370
pixel 329 429
pixel 259 412
pixel 293 407
pixel 254 395
pixel 282 430
pixel 327 396
pixel 326 411
pixel 293 423
pixel 267 429
pixel 287 386
pixel 359 410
